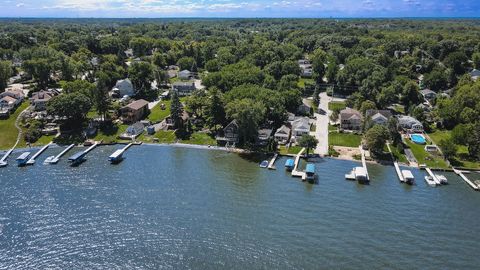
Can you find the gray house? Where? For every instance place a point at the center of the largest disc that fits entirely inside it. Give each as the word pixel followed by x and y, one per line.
pixel 350 119
pixel 184 88
pixel 282 135
pixel 378 117
pixel 410 124
pixel 230 134
pixel 428 94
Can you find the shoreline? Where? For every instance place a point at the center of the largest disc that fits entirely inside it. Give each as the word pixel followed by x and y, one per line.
pixel 231 150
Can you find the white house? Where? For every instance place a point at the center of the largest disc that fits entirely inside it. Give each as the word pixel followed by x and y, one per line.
pixel 282 135
pixel 300 127
pixel 378 117
pixel 410 123
pixel 8 102
pixel 123 88
pixel 184 75
pixel 14 93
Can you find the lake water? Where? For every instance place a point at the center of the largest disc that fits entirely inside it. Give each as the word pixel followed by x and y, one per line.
pixel 178 208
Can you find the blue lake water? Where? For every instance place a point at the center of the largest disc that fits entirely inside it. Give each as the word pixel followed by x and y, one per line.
pixel 178 208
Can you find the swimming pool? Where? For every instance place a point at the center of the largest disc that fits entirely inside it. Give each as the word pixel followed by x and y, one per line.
pixel 418 138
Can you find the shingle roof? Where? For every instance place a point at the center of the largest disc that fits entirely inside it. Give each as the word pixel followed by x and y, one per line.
pixel 137 104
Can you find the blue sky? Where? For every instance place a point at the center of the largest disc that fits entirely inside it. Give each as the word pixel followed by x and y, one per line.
pixel 239 8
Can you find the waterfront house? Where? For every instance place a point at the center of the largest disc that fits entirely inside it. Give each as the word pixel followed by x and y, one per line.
pixel 350 119
pixel 230 134
pixel 133 131
pixel 39 100
pixel 300 127
pixel 264 136
pixel 8 102
pixel 185 75
pixel 410 124
pixel 184 88
pixel 428 94
pixel 378 117
pixel 123 88
pixel 134 111
pixel 475 74
pixel 304 109
pixel 282 135
pixel 14 93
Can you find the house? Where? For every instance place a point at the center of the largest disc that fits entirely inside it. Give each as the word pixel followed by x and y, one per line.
pixel 14 93
pixel 410 124
pixel 185 75
pixel 39 100
pixel 378 117
pixel 350 119
pixel 475 74
pixel 230 133
pixel 306 69
pixel 264 136
pixel 134 111
pixel 428 94
pixel 300 127
pixel 8 102
pixel 282 135
pixel 123 88
pixel 290 116
pixel 304 109
pixel 132 131
pixel 128 53
pixel 184 88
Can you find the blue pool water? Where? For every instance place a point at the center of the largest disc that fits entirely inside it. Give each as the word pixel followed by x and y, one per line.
pixel 418 138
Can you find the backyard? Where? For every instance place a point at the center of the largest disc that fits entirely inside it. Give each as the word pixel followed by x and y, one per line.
pixel 423 157
pixel 8 132
pixel 336 105
pixel 157 114
pixel 344 139
pixel 462 159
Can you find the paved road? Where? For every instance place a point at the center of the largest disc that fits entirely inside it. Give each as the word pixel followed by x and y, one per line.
pixel 321 132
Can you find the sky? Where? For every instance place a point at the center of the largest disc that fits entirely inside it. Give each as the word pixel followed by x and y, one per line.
pixel 239 8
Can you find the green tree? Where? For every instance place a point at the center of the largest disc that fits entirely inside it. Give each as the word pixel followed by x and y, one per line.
pixel 216 109
pixel 476 60
pixel 448 147
pixel 248 114
pixel 5 73
pixel 176 111
pixel 395 136
pixel 411 95
pixel 40 70
pixel 141 75
pixel 367 105
pixel 159 60
pixel 308 141
pixel 318 59
pixel 436 80
pixel 100 96
pixel 140 46
pixel 376 138
pixel 186 63
pixel 74 107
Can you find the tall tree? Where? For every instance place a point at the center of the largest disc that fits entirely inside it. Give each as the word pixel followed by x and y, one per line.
pixel 248 114
pixel 308 141
pixel 216 109
pixel 5 73
pixel 100 95
pixel 176 111
pixel 74 107
pixel 141 74
pixel 376 138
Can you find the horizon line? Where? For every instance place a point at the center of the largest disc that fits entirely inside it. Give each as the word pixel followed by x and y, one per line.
pixel 246 17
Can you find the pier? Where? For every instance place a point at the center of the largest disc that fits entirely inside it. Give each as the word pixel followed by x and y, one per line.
pixel 56 159
pixel 79 157
pixel 434 177
pixel 295 172
pixel 117 156
pixel 3 162
pixel 31 161
pixel 399 173
pixel 272 162
pixel 470 183
pixel 364 163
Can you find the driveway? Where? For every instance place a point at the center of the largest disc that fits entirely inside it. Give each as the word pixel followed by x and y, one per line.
pixel 321 132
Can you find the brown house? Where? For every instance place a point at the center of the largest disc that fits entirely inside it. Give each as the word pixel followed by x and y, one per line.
pixel 134 111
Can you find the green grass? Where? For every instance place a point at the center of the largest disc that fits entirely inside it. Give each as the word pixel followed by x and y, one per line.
pixel 8 132
pixel 344 139
pixel 291 150
pixel 165 136
pixel 336 105
pixel 397 155
pixel 157 114
pixel 302 81
pixel 423 157
pixel 332 128
pixel 462 159
pixel 110 134
pixel 200 138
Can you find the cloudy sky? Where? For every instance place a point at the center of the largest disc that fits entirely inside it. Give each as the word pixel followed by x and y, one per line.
pixel 240 8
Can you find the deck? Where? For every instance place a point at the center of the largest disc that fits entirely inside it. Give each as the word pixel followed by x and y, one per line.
pixel 31 161
pixel 56 159
pixel 470 183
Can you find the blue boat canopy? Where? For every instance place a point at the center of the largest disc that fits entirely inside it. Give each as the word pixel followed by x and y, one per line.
pixel 289 163
pixel 310 168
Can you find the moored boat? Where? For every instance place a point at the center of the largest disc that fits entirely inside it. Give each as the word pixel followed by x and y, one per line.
pixel 310 172
pixel 430 181
pixel 443 180
pixel 408 176
pixel 23 158
pixel 264 164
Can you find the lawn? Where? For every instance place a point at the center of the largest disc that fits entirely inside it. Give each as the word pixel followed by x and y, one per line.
pixel 291 150
pixel 332 128
pixel 397 155
pixel 109 134
pixel 8 132
pixel 200 138
pixel 302 81
pixel 165 136
pixel 423 157
pixel 462 159
pixel 157 114
pixel 336 105
pixel 344 139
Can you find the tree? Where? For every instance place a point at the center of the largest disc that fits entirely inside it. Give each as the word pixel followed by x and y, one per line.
pixel 476 60
pixel 308 141
pixel 318 60
pixel 100 95
pixel 448 147
pixel 74 107
pixel 473 141
pixel 248 114
pixel 436 80
pixel 39 69
pixel 215 109
pixel 376 138
pixel 140 46
pixel 186 63
pixel 141 74
pixel 176 111
pixel 80 86
pixel 411 95
pixel 367 105
pixel 395 136
pixel 5 73
pixel 159 60
pixel 386 97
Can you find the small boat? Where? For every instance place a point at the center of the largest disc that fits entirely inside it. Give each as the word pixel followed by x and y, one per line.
pixel 23 158
pixel 443 180
pixel 408 176
pixel 49 160
pixel 264 164
pixel 430 181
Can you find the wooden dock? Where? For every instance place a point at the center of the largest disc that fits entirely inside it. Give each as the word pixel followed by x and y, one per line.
pixel 470 183
pixel 364 162
pixel 399 172
pixel 295 172
pixel 31 161
pixel 434 177
pixel 78 158
pixel 272 162
pixel 117 156
pixel 3 162
pixel 56 159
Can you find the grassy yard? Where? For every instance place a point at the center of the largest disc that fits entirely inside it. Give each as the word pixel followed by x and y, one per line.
pixel 344 139
pixel 332 128
pixel 336 105
pixel 110 134
pixel 423 157
pixel 157 114
pixel 302 81
pixel 8 132
pixel 291 150
pixel 462 159
pixel 165 136
pixel 200 138
pixel 397 155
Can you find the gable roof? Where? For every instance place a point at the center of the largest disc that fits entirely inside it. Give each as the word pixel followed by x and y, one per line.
pixel 233 123
pixel 301 123
pixel 349 113
pixel 42 96
pixel 283 130
pixel 9 99
pixel 425 92
pixel 371 113
pixel 137 104
pixel 475 73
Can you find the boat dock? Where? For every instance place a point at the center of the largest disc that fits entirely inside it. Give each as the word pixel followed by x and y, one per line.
pixel 272 162
pixel 364 163
pixel 470 183
pixel 399 173
pixel 3 162
pixel 31 161
pixel 55 159
pixel 434 177
pixel 295 172
pixel 117 156
pixel 80 156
